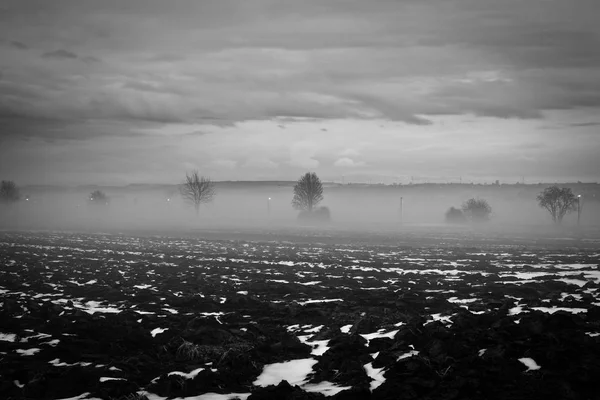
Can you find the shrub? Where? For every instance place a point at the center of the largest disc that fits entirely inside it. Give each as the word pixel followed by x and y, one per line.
pixel 477 210
pixel 9 192
pixel 455 216
pixel 318 215
pixel 98 197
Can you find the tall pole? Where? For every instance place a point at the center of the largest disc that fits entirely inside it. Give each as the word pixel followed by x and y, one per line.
pixel 578 209
pixel 269 206
pixel 401 210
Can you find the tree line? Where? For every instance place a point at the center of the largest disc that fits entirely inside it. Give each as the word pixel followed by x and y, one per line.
pixel 197 190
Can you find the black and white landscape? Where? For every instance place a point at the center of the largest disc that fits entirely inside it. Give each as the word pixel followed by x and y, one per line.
pixel 299 199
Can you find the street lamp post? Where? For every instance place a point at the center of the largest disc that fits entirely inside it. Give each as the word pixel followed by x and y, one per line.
pixel 401 210
pixel 578 208
pixel 269 206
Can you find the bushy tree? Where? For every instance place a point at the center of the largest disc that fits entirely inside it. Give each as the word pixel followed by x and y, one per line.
pixel 308 192
pixel 455 216
pixel 9 192
pixel 477 210
pixel 197 190
pixel 558 201
pixel 98 197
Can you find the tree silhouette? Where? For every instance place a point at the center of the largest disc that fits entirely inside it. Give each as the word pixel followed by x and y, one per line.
pixel 9 192
pixel 558 201
pixel 477 210
pixel 308 192
pixel 455 216
pixel 197 190
pixel 98 197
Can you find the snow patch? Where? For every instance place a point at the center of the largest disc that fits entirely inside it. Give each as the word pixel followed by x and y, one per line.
pixel 294 371
pixel 189 375
pixel 109 378
pixel 376 375
pixel 7 337
pixel 530 364
pixel 156 331
pixel 28 352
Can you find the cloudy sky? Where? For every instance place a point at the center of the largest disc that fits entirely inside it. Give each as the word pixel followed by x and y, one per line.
pixel 140 91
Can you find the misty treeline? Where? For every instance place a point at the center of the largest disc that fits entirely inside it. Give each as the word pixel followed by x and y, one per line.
pixel 556 200
pixel 308 193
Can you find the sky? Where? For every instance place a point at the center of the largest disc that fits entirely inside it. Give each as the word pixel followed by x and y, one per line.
pixel 115 92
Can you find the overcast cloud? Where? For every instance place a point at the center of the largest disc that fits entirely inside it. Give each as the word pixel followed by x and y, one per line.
pixel 141 90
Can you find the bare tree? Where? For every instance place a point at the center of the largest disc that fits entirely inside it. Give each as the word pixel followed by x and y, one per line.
pixel 197 190
pixel 9 192
pixel 308 192
pixel 558 201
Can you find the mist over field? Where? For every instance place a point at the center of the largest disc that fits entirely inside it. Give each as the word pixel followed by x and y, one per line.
pixel 246 205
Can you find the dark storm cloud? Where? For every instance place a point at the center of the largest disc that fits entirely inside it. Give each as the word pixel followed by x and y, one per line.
pixel 323 46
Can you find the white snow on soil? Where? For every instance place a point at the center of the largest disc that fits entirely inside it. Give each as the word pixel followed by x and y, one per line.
pixel 530 364
pixel 318 301
pixel 156 331
pixel 315 329
pixel 555 309
pixel 7 337
pixel 346 328
pixel 376 374
pixel 144 286
pixel 28 352
pixel 57 363
pixel 461 301
pixel 438 317
pixel 108 378
pixel 189 375
pixel 319 347
pixel 379 334
pixel 92 307
pixel 325 388
pixel 575 266
pixel 407 355
pixel 577 282
pixel 516 310
pixel 294 371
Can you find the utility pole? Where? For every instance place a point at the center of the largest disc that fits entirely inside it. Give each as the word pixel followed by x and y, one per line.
pixel 401 210
pixel 269 207
pixel 578 209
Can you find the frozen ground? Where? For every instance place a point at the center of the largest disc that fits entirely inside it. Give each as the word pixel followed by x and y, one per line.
pixel 220 319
